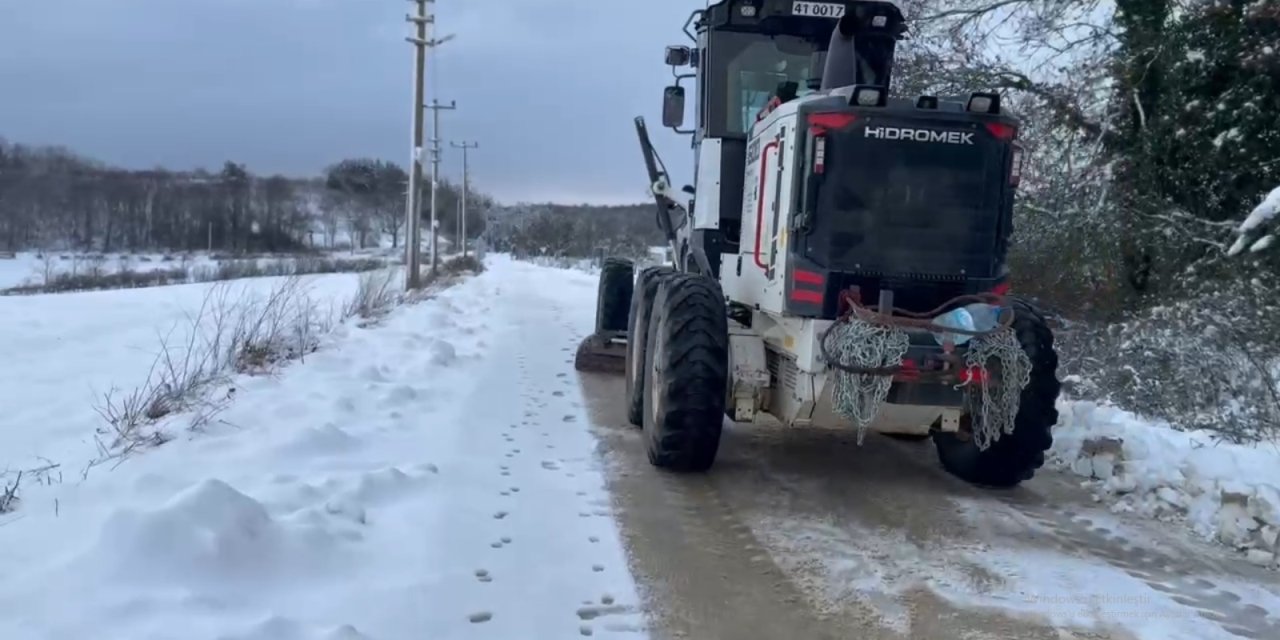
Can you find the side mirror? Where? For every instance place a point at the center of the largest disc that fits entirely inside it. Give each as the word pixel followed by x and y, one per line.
pixel 673 107
pixel 679 56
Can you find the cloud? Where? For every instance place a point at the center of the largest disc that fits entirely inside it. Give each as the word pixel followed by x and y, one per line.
pixel 548 88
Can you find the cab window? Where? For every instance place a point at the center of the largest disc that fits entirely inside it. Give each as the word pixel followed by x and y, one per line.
pixel 748 70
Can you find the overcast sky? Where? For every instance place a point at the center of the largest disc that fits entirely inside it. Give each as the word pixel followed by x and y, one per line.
pixel 548 88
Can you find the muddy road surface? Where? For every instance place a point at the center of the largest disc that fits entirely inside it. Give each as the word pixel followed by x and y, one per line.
pixel 803 534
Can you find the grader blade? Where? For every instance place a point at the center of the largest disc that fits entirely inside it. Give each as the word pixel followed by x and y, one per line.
pixel 602 353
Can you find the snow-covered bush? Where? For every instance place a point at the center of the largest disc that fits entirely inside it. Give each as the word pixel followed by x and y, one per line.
pixel 1208 362
pixel 376 295
pixel 234 331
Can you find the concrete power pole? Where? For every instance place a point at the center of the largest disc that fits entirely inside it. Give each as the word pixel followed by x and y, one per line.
pixel 436 107
pixel 466 186
pixel 413 205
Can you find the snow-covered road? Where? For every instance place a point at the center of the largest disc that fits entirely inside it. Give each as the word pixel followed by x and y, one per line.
pixel 429 478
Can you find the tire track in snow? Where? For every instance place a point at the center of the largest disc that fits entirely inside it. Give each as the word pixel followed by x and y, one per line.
pixel 1188 578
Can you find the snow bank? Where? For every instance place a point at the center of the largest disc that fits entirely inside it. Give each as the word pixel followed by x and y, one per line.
pixel 1224 492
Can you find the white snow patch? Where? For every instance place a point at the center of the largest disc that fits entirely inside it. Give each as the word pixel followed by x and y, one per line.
pixel 1073 592
pixel 1261 215
pixel 1225 492
pixel 1264 212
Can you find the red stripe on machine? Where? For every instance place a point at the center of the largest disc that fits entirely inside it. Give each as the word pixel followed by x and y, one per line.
pixel 807 277
pixel 804 295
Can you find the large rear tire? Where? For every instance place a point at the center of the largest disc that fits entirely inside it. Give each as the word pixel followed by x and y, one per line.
pixel 646 289
pixel 1016 456
pixel 613 298
pixel 686 373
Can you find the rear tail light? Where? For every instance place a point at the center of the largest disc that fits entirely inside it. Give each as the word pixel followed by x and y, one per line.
pixel 820 122
pixel 1002 131
pixel 819 125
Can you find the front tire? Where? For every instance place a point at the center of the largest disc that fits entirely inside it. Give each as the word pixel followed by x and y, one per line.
pixel 646 289
pixel 686 373
pixel 1016 456
pixel 613 296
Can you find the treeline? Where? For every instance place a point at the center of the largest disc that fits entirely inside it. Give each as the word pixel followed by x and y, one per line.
pixel 54 199
pixel 575 231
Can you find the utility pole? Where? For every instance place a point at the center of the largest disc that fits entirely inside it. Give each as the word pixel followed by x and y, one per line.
pixel 413 205
pixel 435 108
pixel 466 186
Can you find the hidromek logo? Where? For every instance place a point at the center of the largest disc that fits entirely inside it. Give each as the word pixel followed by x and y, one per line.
pixel 919 135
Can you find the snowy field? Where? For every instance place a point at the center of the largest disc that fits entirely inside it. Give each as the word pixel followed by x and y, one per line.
pixel 32 268
pixel 62 352
pixel 431 477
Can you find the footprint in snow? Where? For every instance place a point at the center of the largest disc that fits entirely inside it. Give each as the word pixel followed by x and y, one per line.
pixel 570 418
pixel 482 616
pixel 593 612
pixel 557 393
pixel 500 515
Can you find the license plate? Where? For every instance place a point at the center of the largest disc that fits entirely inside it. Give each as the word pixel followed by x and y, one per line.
pixel 818 9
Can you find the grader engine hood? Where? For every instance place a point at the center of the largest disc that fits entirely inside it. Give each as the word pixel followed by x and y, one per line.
pixel 906 192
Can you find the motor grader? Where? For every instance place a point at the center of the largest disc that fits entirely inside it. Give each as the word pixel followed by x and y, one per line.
pixel 840 258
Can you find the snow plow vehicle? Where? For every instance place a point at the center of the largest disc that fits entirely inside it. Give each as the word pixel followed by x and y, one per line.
pixel 840 260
